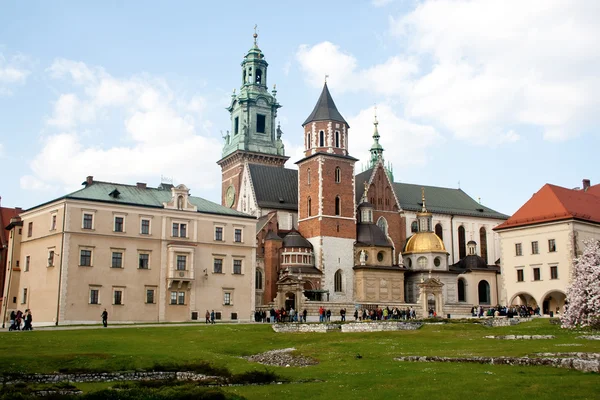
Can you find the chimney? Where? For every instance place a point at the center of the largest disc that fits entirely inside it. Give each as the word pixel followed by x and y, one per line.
pixel 141 185
pixel 89 180
pixel 586 184
pixel 19 210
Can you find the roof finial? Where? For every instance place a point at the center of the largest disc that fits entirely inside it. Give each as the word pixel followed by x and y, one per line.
pixel 423 200
pixel 326 76
pixel 255 34
pixel 375 112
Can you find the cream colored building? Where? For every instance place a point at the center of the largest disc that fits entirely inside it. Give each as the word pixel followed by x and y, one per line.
pixel 540 241
pixel 144 254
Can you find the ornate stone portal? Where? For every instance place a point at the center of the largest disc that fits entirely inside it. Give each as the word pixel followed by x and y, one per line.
pixel 431 289
pixel 290 293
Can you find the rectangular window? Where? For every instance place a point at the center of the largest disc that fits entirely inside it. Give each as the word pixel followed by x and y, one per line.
pixel 181 298
pixel 218 233
pixel 117 259
pixel 88 220
pixel 554 272
pixel 227 298
pixel 181 260
pixel 237 235
pixel 218 266
pixel 94 296
pixel 536 274
pixel 145 227
pixel 53 223
pixel 30 229
pixel 149 296
pixel 237 267
pixel 520 275
pixel 27 263
pixel 179 230
pixel 24 299
pixel 236 125
pixel 50 258
pixel 534 248
pixel 551 245
pixel 85 258
pixel 118 297
pixel 518 249
pixel 119 224
pixel 173 297
pixel 260 123
pixel 143 261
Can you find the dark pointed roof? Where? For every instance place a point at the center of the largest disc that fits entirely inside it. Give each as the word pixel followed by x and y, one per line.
pixel 294 239
pixel 325 109
pixel 371 235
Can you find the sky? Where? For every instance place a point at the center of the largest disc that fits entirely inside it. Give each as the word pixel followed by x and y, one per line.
pixel 495 97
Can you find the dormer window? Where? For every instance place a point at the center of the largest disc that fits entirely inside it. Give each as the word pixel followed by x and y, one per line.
pixel 114 194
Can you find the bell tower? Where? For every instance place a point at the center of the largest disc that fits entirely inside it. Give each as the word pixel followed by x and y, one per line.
pixel 254 136
pixel 326 203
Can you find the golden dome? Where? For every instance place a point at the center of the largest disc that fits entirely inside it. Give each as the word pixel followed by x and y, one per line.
pixel 424 242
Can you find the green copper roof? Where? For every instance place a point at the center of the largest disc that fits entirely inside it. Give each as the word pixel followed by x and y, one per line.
pixel 145 197
pixel 440 200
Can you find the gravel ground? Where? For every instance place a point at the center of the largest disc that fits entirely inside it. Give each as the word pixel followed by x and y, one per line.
pixel 281 358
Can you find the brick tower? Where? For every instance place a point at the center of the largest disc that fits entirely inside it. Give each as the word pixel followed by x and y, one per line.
pixel 326 211
pixel 253 138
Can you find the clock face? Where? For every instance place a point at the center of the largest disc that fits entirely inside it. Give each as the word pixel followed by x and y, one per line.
pixel 230 196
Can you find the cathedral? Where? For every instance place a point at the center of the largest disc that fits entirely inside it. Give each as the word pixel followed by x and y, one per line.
pixel 329 235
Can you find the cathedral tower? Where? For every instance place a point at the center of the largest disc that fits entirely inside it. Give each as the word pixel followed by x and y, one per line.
pixel 326 209
pixel 254 136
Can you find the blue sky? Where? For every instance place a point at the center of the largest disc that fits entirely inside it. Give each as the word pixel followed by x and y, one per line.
pixel 499 96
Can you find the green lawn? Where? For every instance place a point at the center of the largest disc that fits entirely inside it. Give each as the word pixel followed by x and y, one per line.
pixel 339 373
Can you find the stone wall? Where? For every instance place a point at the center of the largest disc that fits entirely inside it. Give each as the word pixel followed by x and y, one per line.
pixel 502 321
pixel 108 377
pixel 304 328
pixel 381 326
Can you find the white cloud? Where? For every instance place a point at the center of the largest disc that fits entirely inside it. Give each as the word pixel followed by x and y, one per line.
pixel 498 63
pixel 479 68
pixel 13 70
pixel 404 141
pixel 167 134
pixel 344 75
pixel 381 3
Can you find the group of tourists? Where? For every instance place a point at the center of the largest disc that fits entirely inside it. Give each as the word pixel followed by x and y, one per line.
pixel 385 314
pixel 504 311
pixel 17 317
pixel 280 315
pixel 210 317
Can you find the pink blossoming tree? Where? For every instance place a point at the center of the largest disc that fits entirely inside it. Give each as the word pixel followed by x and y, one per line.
pixel 583 293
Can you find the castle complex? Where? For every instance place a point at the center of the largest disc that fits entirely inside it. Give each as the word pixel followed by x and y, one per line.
pixel 326 233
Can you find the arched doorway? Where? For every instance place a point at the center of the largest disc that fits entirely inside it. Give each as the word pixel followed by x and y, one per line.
pixel 462 296
pixel 290 301
pixel 523 299
pixel 431 310
pixel 484 292
pixel 553 303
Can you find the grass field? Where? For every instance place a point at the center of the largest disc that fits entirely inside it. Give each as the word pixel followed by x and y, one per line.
pixel 339 373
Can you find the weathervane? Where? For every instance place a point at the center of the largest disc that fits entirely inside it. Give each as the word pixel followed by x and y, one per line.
pixel 255 33
pixel 326 76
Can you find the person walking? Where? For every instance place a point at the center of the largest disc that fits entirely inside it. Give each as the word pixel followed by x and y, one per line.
pixel 212 317
pixel 28 320
pixel 304 313
pixel 13 317
pixel 104 316
pixel 207 317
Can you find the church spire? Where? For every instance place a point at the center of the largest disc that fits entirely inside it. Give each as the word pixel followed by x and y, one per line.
pixel 425 217
pixel 376 148
pixel 325 109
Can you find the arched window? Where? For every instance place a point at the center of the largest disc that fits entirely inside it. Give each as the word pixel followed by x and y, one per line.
pixel 414 227
pixel 321 139
pixel 337 138
pixel 383 225
pixel 258 76
pixel 309 208
pixel 308 144
pixel 308 176
pixel 338 175
pixel 439 231
pixel 337 281
pixel 484 292
pixel 461 290
pixel 259 279
pixel 338 205
pixel 462 249
pixel 483 243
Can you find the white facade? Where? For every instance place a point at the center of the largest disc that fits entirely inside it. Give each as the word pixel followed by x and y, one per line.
pixel 539 273
pixel 333 254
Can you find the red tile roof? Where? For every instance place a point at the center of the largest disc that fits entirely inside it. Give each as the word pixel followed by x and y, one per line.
pixel 555 203
pixel 5 215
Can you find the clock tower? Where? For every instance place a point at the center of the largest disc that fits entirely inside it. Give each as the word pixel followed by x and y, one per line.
pixel 254 137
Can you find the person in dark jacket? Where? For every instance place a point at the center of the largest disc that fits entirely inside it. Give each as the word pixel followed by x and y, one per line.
pixel 104 316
